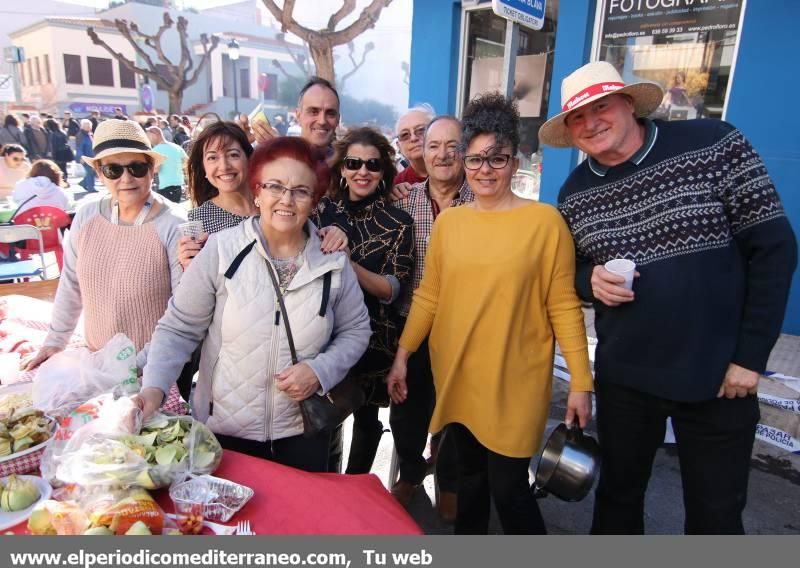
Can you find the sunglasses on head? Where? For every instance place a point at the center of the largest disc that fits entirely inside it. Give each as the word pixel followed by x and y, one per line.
pixel 115 171
pixel 354 164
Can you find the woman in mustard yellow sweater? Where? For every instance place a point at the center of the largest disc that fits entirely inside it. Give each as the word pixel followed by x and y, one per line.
pixel 496 295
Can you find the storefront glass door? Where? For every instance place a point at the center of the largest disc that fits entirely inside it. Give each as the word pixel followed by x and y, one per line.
pixel 482 72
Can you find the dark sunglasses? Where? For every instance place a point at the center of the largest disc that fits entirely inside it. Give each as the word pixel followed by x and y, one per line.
pixel 115 171
pixel 354 164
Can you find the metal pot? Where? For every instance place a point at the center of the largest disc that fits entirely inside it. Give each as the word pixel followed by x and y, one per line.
pixel 569 464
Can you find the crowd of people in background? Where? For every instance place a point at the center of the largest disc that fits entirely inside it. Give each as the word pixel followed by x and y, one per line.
pixel 436 289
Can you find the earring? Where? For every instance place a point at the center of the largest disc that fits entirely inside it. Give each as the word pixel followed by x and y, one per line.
pixel 382 186
pixel 342 185
pixel 257 203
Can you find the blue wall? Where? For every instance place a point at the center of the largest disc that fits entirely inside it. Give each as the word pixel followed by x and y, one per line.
pixel 761 106
pixel 436 30
pixel 573 46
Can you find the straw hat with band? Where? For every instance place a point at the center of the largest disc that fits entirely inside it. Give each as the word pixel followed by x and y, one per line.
pixel 114 136
pixel 591 82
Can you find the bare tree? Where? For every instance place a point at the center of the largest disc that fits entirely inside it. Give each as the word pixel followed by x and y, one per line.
pixel 321 42
pixel 172 77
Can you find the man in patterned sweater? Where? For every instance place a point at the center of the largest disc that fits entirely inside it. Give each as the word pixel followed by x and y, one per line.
pixel 691 203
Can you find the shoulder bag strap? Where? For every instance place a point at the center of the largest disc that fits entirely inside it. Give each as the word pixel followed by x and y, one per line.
pixel 282 305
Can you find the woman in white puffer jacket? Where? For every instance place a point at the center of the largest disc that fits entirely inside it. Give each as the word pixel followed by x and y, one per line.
pixel 43 184
pixel 248 390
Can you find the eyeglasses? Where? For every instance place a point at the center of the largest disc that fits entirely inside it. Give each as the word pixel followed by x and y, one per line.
pixel 115 171
pixel 354 164
pixel 405 135
pixel 495 161
pixel 301 194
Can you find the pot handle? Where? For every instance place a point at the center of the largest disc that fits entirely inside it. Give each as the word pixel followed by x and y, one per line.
pixel 574 432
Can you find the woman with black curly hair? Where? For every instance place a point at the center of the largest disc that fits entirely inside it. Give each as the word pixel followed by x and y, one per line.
pixel 382 255
pixel 496 294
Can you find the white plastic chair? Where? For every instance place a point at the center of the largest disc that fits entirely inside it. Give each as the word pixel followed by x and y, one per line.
pixel 22 268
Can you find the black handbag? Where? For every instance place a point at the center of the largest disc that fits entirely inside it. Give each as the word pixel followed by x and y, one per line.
pixel 322 412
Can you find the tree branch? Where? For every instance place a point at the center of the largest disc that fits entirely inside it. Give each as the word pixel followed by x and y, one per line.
pixel 367 48
pixel 154 42
pixel 347 8
pixel 206 54
pixel 366 20
pixel 187 61
pixel 149 73
pixel 288 24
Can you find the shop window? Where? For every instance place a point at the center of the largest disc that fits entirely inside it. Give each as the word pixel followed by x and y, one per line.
pixel 72 69
pixel 47 69
pixel 127 78
pixel 38 70
pixel 689 53
pixel 272 87
pixel 21 72
pixel 101 72
pixel 30 72
pixel 483 72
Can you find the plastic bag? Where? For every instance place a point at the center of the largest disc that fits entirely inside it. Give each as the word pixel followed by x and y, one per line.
pixel 104 415
pixel 69 378
pixel 111 511
pixel 167 449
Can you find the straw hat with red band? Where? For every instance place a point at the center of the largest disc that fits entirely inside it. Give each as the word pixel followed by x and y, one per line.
pixel 591 82
pixel 114 136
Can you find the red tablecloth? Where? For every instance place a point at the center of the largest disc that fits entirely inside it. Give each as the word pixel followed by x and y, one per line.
pixel 290 501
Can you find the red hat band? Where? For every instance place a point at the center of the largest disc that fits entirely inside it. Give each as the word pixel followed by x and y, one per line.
pixel 591 91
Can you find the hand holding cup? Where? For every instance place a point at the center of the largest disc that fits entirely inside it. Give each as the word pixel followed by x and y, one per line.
pixel 614 288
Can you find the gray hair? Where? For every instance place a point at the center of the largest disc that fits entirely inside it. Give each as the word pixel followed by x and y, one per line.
pixel 491 113
pixel 85 122
pixel 424 108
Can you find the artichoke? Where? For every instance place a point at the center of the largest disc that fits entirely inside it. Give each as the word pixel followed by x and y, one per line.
pixel 18 494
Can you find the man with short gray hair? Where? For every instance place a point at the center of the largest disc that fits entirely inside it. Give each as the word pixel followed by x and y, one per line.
pixel 410 129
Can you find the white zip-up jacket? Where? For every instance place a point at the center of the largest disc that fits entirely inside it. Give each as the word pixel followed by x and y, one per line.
pixel 244 339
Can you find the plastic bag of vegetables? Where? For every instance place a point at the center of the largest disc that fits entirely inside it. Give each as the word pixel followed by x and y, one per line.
pixel 167 448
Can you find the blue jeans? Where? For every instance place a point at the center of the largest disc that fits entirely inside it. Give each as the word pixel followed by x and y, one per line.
pixel 87 182
pixel 714 441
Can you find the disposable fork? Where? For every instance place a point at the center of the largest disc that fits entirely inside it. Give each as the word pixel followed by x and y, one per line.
pixel 243 529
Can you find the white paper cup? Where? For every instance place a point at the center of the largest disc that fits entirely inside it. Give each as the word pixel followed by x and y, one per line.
pixel 191 229
pixel 624 268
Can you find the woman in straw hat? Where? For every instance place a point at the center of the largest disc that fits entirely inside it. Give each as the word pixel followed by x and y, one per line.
pixel 120 261
pixel 500 271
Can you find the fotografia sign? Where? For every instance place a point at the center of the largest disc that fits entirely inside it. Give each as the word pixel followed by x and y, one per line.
pixel 637 18
pixel 528 13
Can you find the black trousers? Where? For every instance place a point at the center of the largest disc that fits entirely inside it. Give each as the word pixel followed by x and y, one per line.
pixel 172 192
pixel 484 475
pixel 714 440
pixel 367 433
pixel 410 420
pixel 306 453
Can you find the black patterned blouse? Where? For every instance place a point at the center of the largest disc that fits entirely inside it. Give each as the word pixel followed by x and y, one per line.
pixel 214 217
pixel 381 240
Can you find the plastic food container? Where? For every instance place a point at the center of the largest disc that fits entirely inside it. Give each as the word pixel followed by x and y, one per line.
pixel 226 497
pixel 190 498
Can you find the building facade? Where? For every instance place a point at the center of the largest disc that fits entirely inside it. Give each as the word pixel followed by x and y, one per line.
pixel 64 69
pixel 723 59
